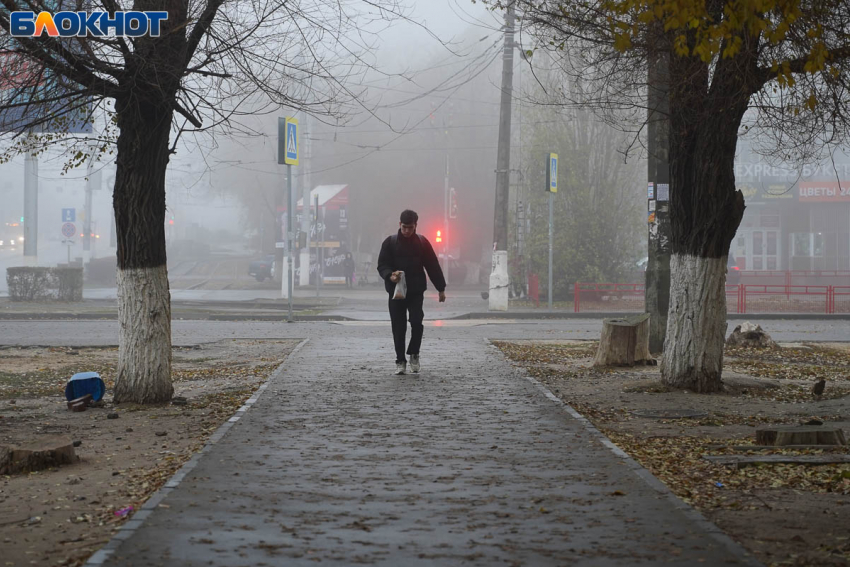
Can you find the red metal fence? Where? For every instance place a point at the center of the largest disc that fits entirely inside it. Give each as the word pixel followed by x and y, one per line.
pixel 740 298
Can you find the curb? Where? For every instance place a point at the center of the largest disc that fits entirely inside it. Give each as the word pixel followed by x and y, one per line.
pixel 174 317
pixel 135 522
pixel 620 314
pixel 521 315
pixel 718 535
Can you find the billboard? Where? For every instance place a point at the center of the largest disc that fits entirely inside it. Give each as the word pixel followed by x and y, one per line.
pixel 31 93
pixel 329 240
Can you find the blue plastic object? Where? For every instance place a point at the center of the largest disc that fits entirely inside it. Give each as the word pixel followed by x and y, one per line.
pixel 84 383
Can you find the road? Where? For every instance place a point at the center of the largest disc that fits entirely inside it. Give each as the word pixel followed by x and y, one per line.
pixel 92 333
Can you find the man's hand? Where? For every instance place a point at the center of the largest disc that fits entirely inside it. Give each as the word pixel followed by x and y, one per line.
pixel 442 297
pixel 395 276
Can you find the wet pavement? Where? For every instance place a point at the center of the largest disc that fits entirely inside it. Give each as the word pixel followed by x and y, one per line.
pixel 468 463
pixel 189 332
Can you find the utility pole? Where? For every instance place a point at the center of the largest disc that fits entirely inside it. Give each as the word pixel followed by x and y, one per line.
pixel 306 187
pixel 30 206
pixel 499 278
pixel 657 294
pixel 318 261
pixel 446 221
pixel 87 221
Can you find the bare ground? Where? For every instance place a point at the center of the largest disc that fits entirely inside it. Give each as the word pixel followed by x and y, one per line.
pixel 61 516
pixel 784 514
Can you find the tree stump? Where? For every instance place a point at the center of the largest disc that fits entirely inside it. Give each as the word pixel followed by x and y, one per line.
pixel 800 435
pixel 750 335
pixel 36 456
pixel 624 342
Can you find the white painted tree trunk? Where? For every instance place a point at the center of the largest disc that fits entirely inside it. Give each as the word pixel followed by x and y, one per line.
pixel 144 314
pixel 696 324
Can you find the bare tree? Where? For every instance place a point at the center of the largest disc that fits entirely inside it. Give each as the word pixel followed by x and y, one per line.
pixel 211 60
pixel 780 68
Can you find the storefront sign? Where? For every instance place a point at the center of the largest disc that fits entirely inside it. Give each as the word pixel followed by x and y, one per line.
pixel 824 191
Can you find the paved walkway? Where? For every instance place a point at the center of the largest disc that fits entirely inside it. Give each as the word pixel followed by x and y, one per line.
pixel 468 463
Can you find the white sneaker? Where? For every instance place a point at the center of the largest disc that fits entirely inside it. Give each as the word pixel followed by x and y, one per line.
pixel 414 363
pixel 400 367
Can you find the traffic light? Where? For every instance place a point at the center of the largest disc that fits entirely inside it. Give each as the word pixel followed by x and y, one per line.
pixel 452 203
pixel 439 236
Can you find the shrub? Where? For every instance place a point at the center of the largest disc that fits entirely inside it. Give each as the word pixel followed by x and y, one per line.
pixel 68 283
pixel 27 284
pixel 38 284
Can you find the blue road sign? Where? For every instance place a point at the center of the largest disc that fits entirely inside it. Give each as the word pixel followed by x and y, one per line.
pixel 69 215
pixel 552 173
pixel 291 141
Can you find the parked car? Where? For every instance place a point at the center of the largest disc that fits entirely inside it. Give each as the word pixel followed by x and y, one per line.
pixel 263 268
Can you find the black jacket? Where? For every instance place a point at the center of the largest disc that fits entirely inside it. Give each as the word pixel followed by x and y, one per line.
pixel 414 256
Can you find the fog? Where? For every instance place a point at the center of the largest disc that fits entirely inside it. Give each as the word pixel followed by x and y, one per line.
pixel 427 104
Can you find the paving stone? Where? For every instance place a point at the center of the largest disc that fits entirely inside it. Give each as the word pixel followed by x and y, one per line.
pixel 468 463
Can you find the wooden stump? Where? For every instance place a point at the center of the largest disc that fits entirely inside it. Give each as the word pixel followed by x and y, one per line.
pixel 800 435
pixel 36 456
pixel 624 342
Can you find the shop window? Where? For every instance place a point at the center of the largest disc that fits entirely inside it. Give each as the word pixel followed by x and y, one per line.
pixel 807 244
pixel 801 243
pixel 771 244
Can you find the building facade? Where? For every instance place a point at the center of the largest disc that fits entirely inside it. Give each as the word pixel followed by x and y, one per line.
pixel 794 220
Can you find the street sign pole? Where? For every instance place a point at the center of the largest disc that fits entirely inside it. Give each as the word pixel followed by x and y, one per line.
pixel 287 153
pixel 289 233
pixel 551 204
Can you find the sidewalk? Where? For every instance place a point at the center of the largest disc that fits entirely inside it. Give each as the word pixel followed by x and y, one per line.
pixel 469 463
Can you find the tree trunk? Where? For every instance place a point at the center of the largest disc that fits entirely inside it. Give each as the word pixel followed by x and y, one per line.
pixel 144 340
pixel 144 114
pixel 144 302
pixel 706 109
pixel 696 324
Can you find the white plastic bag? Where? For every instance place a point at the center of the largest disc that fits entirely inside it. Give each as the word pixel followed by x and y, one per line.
pixel 400 288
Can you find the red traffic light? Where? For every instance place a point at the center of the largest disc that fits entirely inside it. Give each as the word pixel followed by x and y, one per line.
pixel 439 236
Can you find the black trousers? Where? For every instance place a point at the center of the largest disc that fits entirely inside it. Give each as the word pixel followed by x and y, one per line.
pixel 399 311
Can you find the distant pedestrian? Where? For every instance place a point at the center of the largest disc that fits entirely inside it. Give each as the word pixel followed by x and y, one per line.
pixel 349 270
pixel 412 254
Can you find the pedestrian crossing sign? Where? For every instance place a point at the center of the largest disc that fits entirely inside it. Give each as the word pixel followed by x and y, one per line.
pixel 287 143
pixel 552 173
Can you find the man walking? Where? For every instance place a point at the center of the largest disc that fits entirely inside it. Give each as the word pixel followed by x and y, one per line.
pixel 412 254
